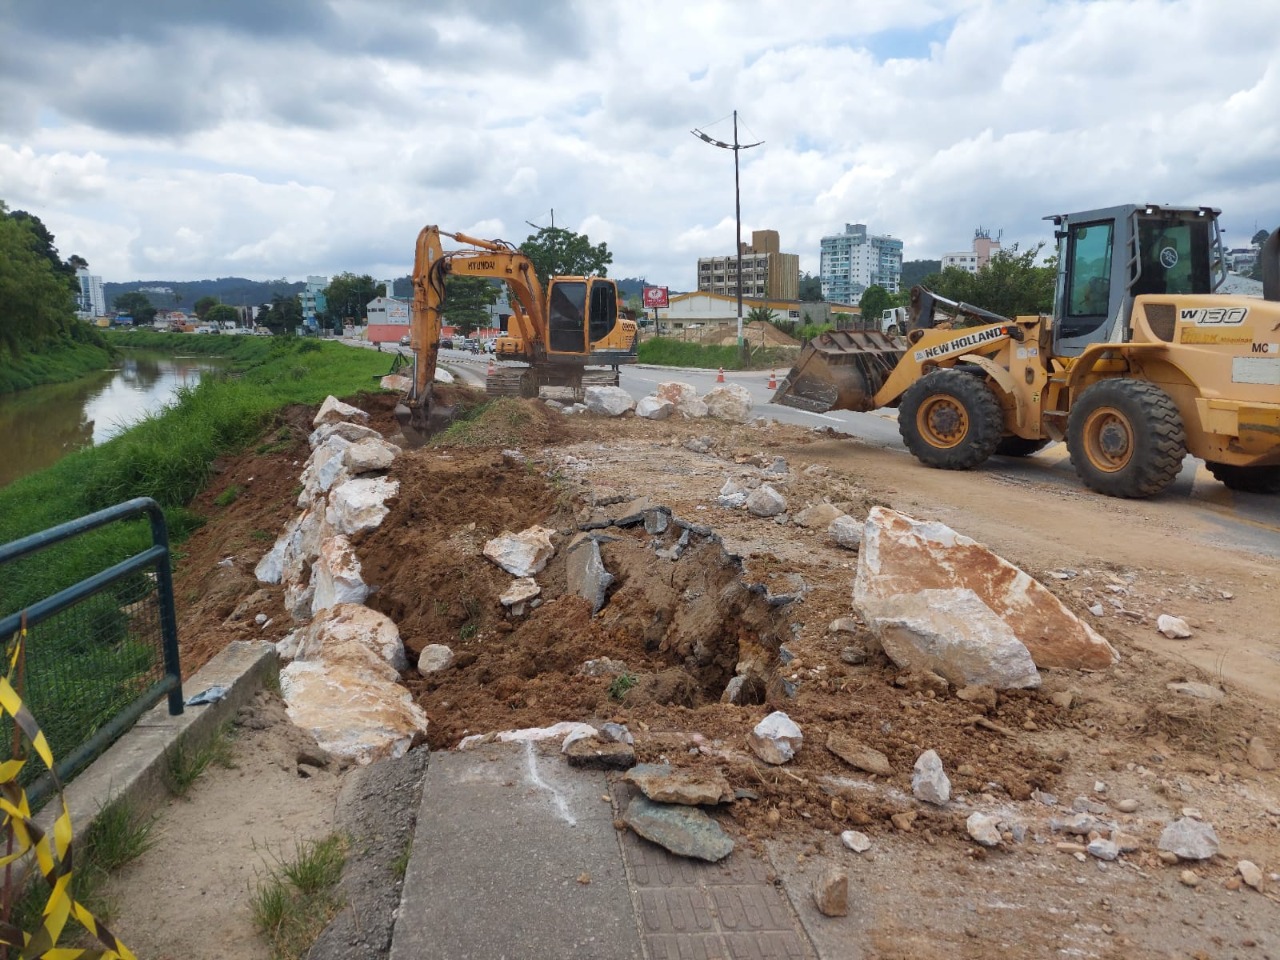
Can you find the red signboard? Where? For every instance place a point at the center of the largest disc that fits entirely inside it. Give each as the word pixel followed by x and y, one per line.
pixel 655 297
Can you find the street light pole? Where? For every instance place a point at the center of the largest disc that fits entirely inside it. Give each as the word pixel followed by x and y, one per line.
pixel 737 207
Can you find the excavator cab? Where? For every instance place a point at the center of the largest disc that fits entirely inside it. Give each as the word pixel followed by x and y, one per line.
pixel 1107 257
pixel 580 311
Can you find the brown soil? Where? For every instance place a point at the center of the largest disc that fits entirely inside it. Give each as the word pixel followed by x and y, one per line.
pixel 681 627
pixel 754 332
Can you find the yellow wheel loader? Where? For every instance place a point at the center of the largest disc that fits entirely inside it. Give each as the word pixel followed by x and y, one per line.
pixel 557 337
pixel 1140 364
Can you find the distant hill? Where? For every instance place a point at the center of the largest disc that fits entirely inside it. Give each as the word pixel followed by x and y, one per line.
pixel 182 295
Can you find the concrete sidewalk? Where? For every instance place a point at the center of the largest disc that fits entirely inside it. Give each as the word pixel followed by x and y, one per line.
pixel 516 856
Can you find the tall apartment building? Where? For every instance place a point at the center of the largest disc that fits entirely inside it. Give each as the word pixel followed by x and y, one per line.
pixel 974 260
pixel 313 300
pixel 90 302
pixel 766 271
pixel 854 260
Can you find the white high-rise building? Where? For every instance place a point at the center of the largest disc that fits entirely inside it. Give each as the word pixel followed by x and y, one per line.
pixel 852 261
pixel 90 301
pixel 984 247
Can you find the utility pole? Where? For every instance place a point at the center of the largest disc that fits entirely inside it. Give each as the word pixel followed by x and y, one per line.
pixel 737 208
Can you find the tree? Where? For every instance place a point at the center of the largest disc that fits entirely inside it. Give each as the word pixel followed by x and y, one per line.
pixel 204 305
pixel 348 295
pixel 760 315
pixel 558 252
pixel 222 313
pixel 915 271
pixel 1260 238
pixel 283 315
pixel 465 300
pixel 36 303
pixel 875 301
pixel 810 288
pixel 137 305
pixel 1010 283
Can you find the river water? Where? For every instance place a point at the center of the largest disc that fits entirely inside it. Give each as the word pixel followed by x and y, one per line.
pixel 41 425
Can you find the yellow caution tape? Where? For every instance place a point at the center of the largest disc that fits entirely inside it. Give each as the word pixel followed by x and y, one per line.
pixel 53 855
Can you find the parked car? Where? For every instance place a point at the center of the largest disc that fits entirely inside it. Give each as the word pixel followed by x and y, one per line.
pixel 446 343
pixel 404 341
pixel 471 344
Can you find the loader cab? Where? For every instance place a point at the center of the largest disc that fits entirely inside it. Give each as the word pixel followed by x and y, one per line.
pixel 1107 257
pixel 580 311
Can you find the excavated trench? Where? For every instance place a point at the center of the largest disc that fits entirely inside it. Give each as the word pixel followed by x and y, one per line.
pixel 678 625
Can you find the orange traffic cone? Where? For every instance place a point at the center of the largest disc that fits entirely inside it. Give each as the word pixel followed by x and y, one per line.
pixel 773 381
pixel 720 376
pixel 492 368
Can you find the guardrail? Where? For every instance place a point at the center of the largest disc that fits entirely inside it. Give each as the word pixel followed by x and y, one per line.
pixel 99 653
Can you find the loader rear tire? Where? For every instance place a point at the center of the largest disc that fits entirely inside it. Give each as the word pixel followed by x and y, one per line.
pixel 951 420
pixel 1246 479
pixel 1019 447
pixel 1126 438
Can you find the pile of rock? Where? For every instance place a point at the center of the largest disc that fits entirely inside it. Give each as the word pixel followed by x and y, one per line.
pixel 724 401
pixel 343 682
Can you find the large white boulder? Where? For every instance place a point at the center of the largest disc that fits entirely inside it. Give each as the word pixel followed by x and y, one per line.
pixel 333 410
pixel 355 432
pixel 369 455
pixel 522 554
pixel 654 408
pixel 764 501
pixel 676 392
pixel 360 504
pixel 352 632
pixel 901 556
pixel 729 401
pixel 955 635
pixel 336 576
pixel 608 401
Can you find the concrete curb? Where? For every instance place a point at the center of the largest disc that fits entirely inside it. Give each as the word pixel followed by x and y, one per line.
pixel 133 768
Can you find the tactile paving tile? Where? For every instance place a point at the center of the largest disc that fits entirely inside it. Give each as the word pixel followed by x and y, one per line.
pixel 692 910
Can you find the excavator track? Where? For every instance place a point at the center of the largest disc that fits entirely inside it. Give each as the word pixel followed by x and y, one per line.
pixel 530 381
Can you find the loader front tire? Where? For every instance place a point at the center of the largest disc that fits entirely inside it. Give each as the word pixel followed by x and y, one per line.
pixel 951 420
pixel 1246 479
pixel 1126 438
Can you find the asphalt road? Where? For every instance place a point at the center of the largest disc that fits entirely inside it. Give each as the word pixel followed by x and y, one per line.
pixel 1249 521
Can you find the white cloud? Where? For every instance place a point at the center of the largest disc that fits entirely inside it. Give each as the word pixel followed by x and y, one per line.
pixel 232 139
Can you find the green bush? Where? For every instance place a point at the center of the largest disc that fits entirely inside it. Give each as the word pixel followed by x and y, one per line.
pixel 669 352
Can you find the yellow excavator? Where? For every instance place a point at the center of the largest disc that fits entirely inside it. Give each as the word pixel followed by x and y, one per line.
pixel 557 336
pixel 1140 363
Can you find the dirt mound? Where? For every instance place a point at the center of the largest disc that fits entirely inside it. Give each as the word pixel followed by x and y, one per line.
pixel 756 333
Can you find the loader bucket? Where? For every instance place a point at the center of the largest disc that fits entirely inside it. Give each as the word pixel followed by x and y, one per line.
pixel 840 370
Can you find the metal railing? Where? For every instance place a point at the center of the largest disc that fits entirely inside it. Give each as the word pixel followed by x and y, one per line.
pixel 99 653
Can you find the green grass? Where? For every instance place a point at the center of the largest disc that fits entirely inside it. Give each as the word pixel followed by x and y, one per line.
pixel 169 455
pixel 61 361
pixel 183 766
pixel 119 835
pixel 297 898
pixel 669 352
pixel 622 685
pixel 228 496
pixel 400 865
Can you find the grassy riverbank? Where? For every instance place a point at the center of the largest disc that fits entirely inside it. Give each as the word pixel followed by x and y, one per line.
pixel 169 455
pixel 60 361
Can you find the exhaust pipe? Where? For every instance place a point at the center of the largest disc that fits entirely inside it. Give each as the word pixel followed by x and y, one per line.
pixel 1270 257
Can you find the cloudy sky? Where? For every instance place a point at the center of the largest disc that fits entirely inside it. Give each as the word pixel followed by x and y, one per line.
pixel 185 139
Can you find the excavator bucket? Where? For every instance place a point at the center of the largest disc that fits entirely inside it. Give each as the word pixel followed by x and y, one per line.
pixel 840 370
pixel 420 423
